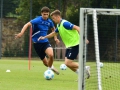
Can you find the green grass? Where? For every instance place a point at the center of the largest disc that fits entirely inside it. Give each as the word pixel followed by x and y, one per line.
pixel 21 78
pixel 110 78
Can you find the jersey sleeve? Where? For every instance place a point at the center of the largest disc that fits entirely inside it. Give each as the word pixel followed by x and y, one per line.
pixel 34 21
pixel 68 25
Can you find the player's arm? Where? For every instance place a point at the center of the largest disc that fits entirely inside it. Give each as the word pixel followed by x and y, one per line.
pixel 48 36
pixel 75 27
pixel 23 30
pixel 70 26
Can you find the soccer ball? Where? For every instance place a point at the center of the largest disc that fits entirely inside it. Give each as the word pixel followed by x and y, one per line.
pixel 48 74
pixel 63 67
pixel 101 64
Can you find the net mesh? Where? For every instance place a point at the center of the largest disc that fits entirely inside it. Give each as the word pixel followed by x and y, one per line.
pixel 103 46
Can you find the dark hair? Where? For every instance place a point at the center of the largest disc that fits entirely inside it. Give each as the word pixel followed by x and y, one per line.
pixel 56 12
pixel 45 9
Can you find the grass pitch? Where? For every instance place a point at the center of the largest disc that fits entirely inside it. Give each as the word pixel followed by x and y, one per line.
pixel 21 78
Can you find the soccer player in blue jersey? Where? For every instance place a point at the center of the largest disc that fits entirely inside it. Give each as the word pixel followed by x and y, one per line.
pixel 40 26
pixel 69 34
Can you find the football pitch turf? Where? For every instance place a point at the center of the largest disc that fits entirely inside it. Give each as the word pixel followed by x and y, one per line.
pixel 21 78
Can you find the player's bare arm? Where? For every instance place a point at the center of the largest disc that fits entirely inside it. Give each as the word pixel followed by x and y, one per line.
pixel 23 30
pixel 78 29
pixel 48 36
pixel 75 27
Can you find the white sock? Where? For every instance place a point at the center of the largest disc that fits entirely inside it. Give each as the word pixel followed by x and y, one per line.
pixel 77 71
pixel 49 68
pixel 52 67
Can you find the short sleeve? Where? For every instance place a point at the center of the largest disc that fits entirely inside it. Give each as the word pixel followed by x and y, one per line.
pixel 56 30
pixel 68 25
pixel 35 21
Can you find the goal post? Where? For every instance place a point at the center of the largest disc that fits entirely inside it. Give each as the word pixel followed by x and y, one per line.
pixel 80 74
pixel 84 12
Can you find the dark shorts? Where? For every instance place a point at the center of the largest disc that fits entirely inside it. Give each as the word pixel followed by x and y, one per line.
pixel 40 49
pixel 72 52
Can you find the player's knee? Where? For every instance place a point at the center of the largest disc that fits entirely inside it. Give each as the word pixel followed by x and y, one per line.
pixel 67 63
pixel 50 55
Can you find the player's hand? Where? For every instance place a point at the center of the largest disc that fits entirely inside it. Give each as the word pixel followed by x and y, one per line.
pixel 87 42
pixel 41 38
pixel 18 35
pixel 57 41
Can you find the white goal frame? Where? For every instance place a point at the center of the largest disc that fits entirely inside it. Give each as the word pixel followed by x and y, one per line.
pixel 83 36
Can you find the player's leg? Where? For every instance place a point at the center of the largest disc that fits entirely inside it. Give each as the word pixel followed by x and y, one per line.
pixel 87 68
pixel 70 64
pixel 45 62
pixel 71 54
pixel 74 67
pixel 49 52
pixel 40 50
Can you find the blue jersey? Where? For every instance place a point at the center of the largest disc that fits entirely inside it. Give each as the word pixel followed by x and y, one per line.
pixel 66 25
pixel 40 27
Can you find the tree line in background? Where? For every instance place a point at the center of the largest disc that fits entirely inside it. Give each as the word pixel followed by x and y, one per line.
pixel 70 10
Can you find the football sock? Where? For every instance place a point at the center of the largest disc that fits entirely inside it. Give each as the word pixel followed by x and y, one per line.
pixel 49 68
pixel 52 67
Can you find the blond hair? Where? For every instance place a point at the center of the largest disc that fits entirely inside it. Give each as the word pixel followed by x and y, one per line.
pixel 56 12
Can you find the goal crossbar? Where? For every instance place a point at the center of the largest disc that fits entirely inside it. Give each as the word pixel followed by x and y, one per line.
pixel 102 11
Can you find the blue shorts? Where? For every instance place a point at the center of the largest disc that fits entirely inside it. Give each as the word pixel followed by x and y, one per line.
pixel 72 52
pixel 40 49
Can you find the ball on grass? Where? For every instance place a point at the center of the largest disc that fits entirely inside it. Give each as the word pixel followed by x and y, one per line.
pixel 63 67
pixel 48 74
pixel 101 64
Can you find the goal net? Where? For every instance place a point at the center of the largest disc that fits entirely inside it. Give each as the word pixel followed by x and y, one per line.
pixel 101 27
